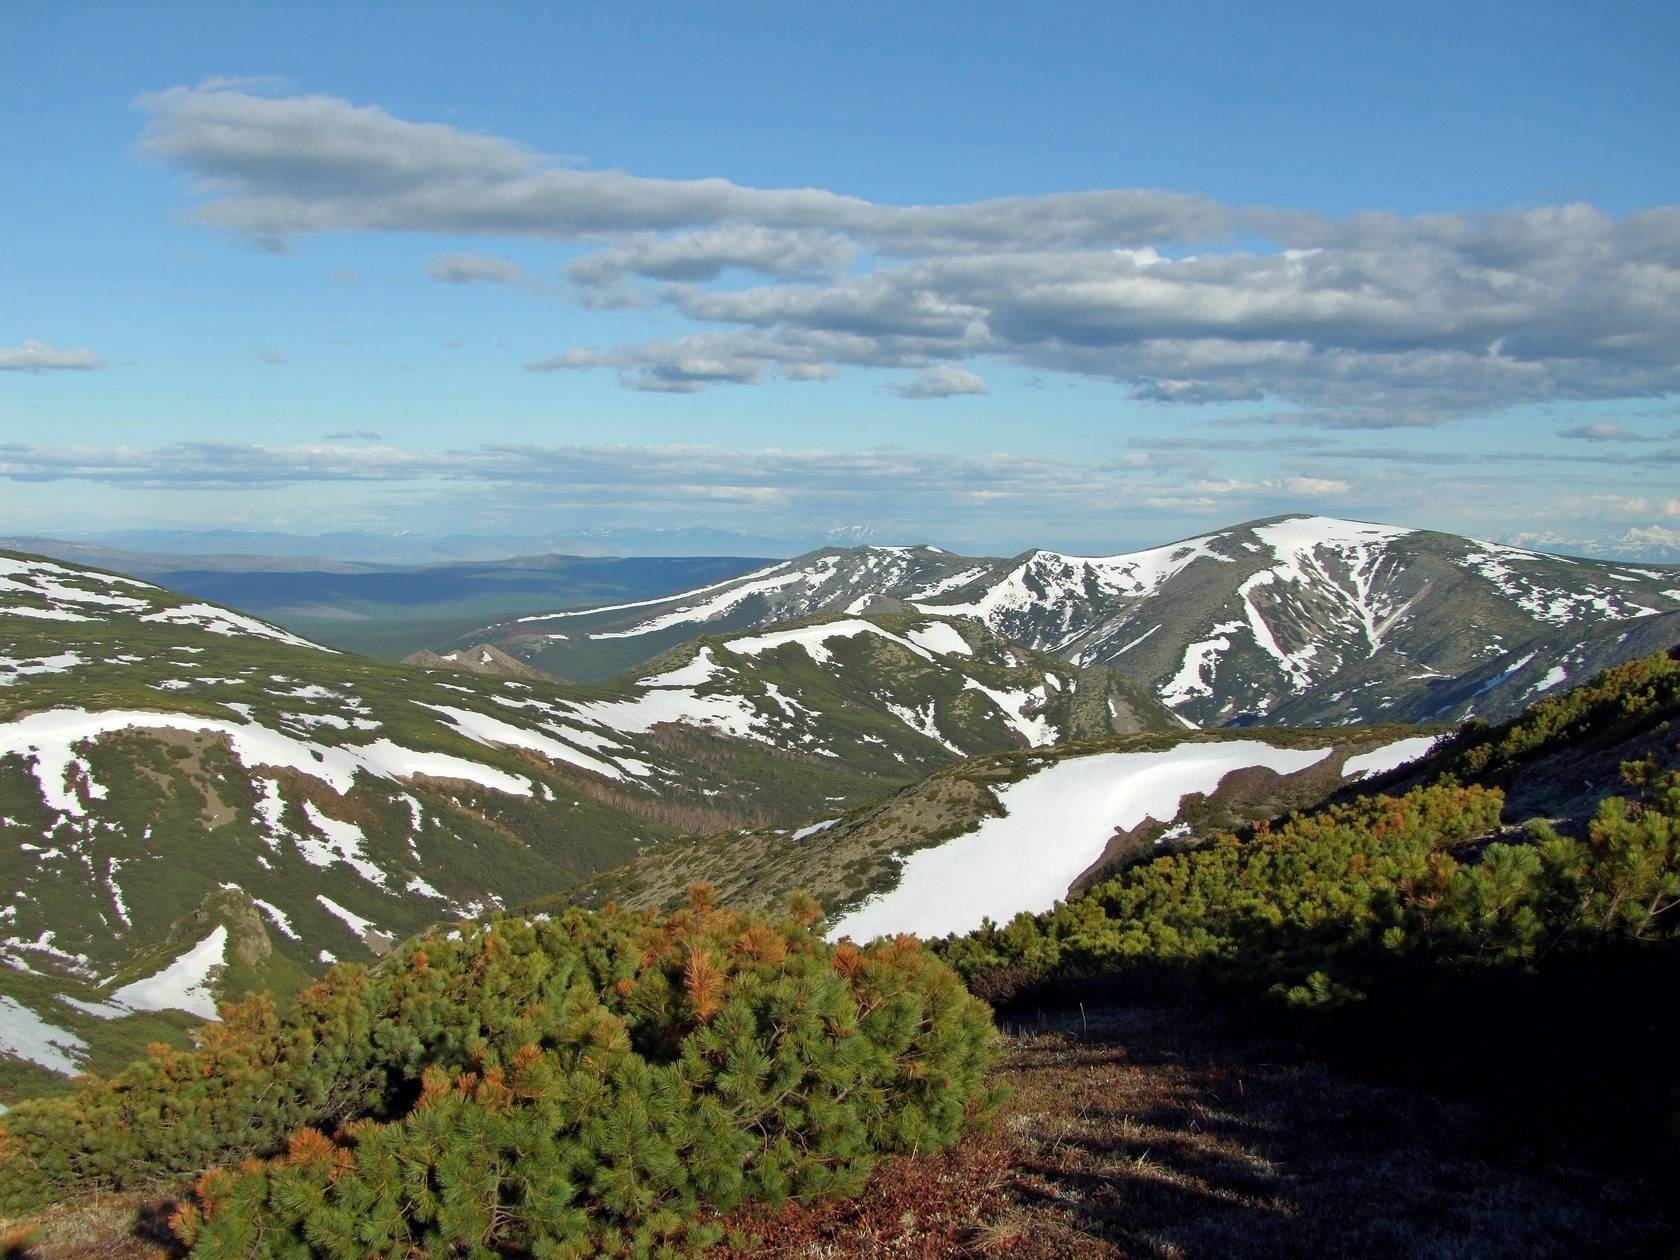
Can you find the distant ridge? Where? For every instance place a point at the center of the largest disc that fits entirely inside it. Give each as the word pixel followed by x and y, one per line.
pixel 1296 620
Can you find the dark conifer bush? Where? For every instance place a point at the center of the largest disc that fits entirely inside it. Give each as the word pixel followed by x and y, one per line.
pixel 583 1085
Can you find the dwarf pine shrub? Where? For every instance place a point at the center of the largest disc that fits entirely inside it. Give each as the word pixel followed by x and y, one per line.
pixel 582 1085
pixel 1315 908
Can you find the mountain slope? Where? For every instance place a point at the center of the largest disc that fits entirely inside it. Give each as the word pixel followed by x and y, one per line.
pixel 886 694
pixel 1291 621
pixel 1011 832
pixel 195 802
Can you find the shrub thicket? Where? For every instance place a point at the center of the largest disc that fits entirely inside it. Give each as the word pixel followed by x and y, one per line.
pixel 1316 908
pixel 581 1085
pixel 1631 697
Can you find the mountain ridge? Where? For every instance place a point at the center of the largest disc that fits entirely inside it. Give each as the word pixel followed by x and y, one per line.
pixel 1292 620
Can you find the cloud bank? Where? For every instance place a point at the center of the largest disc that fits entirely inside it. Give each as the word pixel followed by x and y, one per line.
pixel 1375 320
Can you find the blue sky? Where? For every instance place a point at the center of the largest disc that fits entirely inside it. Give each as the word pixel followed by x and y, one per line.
pixel 989 276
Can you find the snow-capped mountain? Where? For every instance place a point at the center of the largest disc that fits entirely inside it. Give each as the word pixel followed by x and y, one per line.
pixel 1295 620
pixel 1311 621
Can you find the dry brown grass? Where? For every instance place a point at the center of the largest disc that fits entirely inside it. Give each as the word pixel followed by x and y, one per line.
pixel 110 1227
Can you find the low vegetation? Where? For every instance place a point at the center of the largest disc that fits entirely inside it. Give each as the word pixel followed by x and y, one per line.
pixel 570 1087
pixel 1355 1011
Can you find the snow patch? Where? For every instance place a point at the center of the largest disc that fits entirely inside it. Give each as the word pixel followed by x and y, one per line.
pixel 225 621
pixel 1056 823
pixel 184 985
pixel 343 843
pixel 1388 757
pixel 1201 663
pixel 1015 707
pixel 813 638
pixel 49 737
pixel 363 928
pixel 26 1035
pixel 278 917
pixel 716 606
pixel 941 637
pixel 699 671
pixel 488 730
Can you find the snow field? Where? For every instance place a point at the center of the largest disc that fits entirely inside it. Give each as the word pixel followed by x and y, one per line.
pixel 1056 823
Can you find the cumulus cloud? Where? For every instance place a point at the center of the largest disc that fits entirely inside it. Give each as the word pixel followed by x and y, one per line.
pixel 944 381
pixel 1603 431
pixel 469 268
pixel 37 356
pixel 1372 320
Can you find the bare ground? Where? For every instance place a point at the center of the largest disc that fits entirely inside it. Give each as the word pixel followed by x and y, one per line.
pixel 1164 1133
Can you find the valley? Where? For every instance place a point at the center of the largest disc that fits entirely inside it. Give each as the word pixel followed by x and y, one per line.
pixel 197 803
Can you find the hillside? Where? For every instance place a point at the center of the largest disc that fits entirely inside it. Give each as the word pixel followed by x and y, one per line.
pixel 193 801
pixel 1484 854
pixel 1297 621
pixel 1275 1042
pixel 996 835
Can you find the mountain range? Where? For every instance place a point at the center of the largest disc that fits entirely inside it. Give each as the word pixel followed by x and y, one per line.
pixel 1304 621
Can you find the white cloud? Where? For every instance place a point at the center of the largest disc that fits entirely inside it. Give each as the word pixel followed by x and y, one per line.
pixel 468 268
pixel 37 356
pixel 272 357
pixel 943 381
pixel 1375 320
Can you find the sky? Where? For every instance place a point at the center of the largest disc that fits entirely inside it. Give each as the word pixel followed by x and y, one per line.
pixel 988 276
